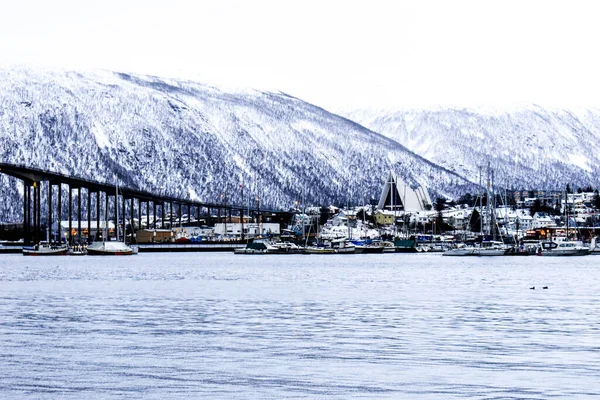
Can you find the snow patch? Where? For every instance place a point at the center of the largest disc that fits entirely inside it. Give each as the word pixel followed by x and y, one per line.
pixel 101 139
pixel 580 161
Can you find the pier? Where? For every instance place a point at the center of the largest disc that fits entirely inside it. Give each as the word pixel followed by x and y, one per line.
pixel 97 198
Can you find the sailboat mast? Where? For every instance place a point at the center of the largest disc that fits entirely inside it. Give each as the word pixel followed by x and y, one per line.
pixel 567 211
pixel 487 203
pixel 493 214
pixel 480 205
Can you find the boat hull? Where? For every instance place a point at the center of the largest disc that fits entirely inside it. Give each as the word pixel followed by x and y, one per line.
pixel 45 252
pixel 108 253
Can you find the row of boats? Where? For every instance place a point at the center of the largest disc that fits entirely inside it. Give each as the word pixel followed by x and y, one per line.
pixel 97 248
pixel 550 248
pixel 556 247
pixel 264 246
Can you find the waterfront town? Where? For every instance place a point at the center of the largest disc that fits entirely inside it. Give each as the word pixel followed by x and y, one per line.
pixel 403 218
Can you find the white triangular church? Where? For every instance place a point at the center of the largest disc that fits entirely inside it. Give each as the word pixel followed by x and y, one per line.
pixel 398 196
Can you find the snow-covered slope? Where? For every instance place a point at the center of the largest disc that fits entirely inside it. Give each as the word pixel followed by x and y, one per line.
pixel 194 141
pixel 529 147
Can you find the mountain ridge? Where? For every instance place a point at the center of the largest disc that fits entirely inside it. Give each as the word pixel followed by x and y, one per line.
pixel 191 140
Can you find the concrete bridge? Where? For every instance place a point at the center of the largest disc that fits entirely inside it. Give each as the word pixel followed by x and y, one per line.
pixel 102 193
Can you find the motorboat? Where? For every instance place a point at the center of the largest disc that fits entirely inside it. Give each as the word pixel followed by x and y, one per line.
pixel 256 247
pixel 563 248
pixel 339 246
pixel 285 248
pixel 45 249
pixel 367 247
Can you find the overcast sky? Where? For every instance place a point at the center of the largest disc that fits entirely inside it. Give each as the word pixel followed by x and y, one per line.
pixel 337 54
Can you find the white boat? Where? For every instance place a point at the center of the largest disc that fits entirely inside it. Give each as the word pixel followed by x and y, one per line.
pixel 461 250
pixel 256 247
pixel 388 247
pixel 45 249
pixel 594 247
pixel 320 250
pixel 485 249
pixel 339 246
pixel 285 248
pixel 563 248
pixel 109 248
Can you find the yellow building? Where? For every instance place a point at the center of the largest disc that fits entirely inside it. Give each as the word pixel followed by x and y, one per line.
pixel 384 218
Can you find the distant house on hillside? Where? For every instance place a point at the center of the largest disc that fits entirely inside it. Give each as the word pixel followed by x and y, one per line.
pixel 399 196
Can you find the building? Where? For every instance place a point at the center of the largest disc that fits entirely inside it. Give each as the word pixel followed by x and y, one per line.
pixel 398 195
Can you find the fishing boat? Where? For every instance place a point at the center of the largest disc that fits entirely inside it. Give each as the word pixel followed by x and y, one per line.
pixel 45 249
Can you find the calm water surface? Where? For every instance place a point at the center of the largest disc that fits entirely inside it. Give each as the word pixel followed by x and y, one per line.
pixel 396 326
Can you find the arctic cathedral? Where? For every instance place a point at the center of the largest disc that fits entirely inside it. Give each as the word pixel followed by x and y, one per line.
pixel 397 195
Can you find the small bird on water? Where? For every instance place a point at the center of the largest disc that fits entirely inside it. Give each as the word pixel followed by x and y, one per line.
pixel 545 287
pixel 532 288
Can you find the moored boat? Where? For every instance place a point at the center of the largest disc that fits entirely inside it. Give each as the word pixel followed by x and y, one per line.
pixel 563 248
pixel 78 250
pixel 109 248
pixel 45 249
pixel 255 247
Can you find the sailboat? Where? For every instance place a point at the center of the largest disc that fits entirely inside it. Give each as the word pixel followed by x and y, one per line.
pixel 107 247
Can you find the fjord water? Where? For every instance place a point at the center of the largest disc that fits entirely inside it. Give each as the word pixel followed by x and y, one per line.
pixel 218 325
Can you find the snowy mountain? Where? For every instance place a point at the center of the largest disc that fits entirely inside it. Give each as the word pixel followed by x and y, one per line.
pixel 195 141
pixel 528 147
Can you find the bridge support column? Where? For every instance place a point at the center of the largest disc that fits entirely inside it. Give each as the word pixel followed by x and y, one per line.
pixel 79 215
pixel 132 222
pixel 26 212
pixel 123 217
pixel 50 210
pixel 34 210
pixel 39 209
pixel 98 214
pixel 105 237
pixel 154 214
pixel 59 214
pixel 89 216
